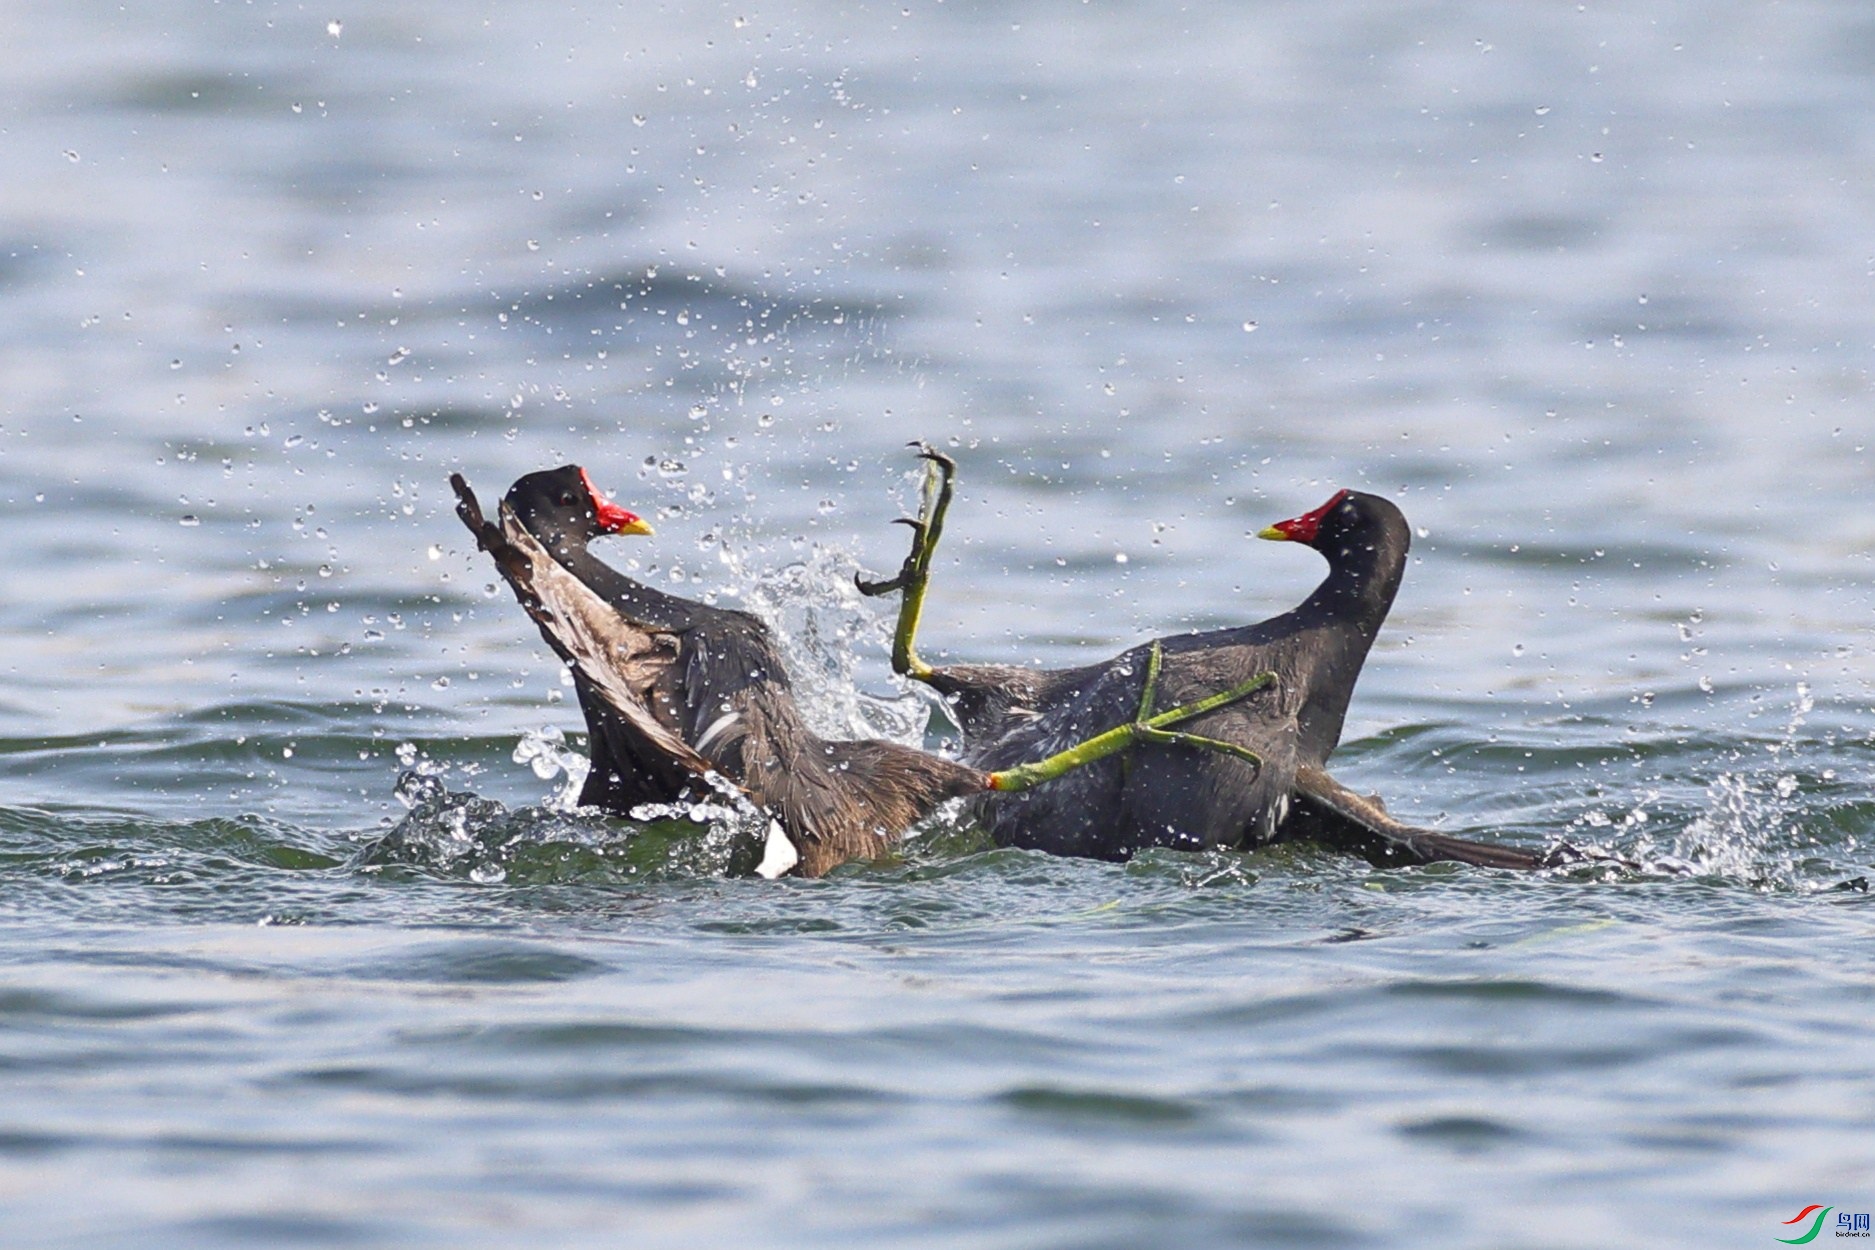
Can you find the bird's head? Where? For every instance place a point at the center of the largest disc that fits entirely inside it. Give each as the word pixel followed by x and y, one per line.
pixel 562 507
pixel 1317 528
pixel 1351 521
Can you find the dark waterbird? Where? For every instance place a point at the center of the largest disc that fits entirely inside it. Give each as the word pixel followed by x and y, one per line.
pixel 1275 787
pixel 677 693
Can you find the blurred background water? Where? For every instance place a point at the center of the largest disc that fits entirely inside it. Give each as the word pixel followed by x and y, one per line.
pixel 1588 290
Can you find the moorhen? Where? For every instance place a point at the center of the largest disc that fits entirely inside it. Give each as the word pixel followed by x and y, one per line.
pixel 1277 788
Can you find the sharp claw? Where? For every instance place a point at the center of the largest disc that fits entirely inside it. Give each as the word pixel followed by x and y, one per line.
pixel 938 458
pixel 917 525
pixel 875 589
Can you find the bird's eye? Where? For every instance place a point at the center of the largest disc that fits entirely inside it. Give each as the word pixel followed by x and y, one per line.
pixel 566 501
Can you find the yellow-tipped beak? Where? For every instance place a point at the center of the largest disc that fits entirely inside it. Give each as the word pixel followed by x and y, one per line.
pixel 1273 534
pixel 637 525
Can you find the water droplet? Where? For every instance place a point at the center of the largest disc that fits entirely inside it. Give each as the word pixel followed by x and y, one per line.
pixel 1517 650
pixel 335 28
pixel 188 519
pixel 441 683
pixel 1249 327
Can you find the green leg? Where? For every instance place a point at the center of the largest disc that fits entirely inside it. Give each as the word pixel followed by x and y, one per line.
pixel 1147 726
pixel 915 574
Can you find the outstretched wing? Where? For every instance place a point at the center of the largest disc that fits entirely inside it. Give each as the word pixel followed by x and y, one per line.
pixel 621 661
pixel 618 661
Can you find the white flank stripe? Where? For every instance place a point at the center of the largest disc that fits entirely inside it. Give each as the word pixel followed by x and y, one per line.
pixel 718 726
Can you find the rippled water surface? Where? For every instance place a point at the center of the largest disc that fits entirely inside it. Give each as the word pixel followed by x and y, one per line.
pixel 299 944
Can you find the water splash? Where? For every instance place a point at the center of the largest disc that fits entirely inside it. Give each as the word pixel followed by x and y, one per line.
pixel 822 624
pixel 545 751
pixel 1753 826
pixel 461 834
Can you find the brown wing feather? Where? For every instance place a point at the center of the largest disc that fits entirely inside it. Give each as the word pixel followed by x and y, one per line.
pixel 621 662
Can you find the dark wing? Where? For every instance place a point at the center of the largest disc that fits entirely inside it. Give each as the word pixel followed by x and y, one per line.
pixel 1154 794
pixel 616 661
pixel 510 563
pixel 988 700
pixel 1326 811
pixel 1193 797
pixel 624 663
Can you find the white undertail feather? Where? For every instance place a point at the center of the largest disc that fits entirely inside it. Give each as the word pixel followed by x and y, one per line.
pixel 779 855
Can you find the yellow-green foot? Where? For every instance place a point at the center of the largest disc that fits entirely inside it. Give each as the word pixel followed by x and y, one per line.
pixel 914 576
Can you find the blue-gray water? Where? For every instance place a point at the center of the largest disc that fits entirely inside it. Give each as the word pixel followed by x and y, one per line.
pixel 1589 291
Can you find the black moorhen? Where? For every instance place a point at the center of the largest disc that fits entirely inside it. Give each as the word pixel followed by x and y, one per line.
pixel 675 692
pixel 1195 799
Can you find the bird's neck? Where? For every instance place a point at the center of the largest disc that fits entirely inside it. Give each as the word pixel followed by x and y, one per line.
pixel 1358 591
pixel 642 605
pixel 1343 617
